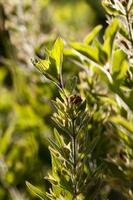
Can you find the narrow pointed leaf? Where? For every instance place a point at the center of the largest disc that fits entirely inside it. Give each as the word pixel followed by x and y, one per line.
pixel 123 122
pixel 91 36
pixel 109 8
pixel 109 37
pixel 36 191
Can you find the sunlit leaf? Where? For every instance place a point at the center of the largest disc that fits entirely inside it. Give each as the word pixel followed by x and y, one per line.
pixel 47 68
pixel 109 8
pixel 71 54
pixel 91 36
pixel 90 52
pixel 123 122
pixel 57 53
pixel 36 191
pixel 119 65
pixel 109 37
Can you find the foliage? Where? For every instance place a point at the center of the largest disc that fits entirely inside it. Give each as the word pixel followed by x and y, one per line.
pixel 91 150
pixel 25 106
pixel 86 160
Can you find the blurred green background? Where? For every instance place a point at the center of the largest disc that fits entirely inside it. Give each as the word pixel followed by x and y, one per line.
pixel 27 27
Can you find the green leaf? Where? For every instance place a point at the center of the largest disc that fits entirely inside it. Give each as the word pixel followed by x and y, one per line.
pixel 47 68
pixel 91 53
pixel 71 54
pixel 114 87
pixel 65 184
pixel 5 140
pixel 57 53
pixel 71 84
pixel 59 125
pixel 90 37
pixel 56 163
pixel 51 179
pixel 55 147
pixel 35 191
pixel 41 65
pixel 59 147
pixel 58 138
pixel 104 74
pixel 122 122
pixel 51 67
pixel 103 57
pixel 124 32
pixel 109 8
pixel 109 37
pixel 119 65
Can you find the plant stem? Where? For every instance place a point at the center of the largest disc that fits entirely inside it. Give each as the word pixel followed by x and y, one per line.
pixel 61 82
pixel 74 160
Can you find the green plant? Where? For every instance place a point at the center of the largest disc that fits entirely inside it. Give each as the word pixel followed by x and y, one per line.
pixel 25 104
pixel 91 151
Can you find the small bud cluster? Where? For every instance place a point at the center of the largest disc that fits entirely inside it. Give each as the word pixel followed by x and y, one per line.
pixel 75 99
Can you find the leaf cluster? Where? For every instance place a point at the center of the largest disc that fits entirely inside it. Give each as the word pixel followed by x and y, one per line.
pixel 92 146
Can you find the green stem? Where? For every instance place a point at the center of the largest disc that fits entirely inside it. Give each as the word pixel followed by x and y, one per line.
pixel 74 146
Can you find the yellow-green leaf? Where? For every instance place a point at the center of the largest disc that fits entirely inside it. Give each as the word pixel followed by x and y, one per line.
pixel 57 53
pixel 41 65
pixel 90 37
pixel 91 53
pixel 35 191
pixel 119 65
pixel 109 37
pixel 123 122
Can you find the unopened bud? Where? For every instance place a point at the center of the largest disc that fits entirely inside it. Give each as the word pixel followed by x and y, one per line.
pixel 75 99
